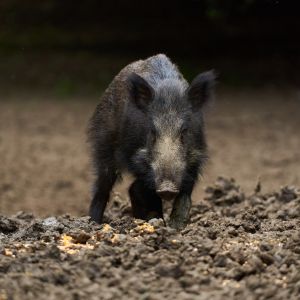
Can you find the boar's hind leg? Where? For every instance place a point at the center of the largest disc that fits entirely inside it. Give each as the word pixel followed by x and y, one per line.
pixel 102 188
pixel 180 212
pixel 145 203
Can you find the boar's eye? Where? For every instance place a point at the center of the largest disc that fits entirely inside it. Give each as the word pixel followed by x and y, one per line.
pixel 183 133
pixel 152 135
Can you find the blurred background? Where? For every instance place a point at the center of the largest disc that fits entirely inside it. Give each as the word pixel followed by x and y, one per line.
pixel 57 57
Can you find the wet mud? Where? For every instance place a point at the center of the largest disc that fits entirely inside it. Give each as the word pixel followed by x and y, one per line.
pixel 236 246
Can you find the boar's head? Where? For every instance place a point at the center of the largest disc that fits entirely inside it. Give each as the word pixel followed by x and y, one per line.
pixel 167 131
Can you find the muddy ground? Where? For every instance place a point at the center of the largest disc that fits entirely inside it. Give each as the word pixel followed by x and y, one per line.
pixel 236 247
pixel 44 167
pixel 241 243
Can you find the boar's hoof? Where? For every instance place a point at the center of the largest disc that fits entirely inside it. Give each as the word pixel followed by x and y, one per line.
pixel 180 213
pixel 177 224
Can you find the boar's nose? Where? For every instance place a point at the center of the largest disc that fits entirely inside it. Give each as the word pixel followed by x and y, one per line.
pixel 167 190
pixel 167 195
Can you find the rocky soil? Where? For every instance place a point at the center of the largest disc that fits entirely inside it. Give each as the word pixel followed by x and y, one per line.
pixel 236 246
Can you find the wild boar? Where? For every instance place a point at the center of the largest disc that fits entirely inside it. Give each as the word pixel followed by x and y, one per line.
pixel 150 122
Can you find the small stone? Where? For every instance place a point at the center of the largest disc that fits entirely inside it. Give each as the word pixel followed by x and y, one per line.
pixel 80 237
pixel 156 222
pixel 266 258
pixel 50 222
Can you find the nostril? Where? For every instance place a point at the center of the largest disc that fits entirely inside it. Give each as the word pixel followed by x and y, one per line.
pixel 167 195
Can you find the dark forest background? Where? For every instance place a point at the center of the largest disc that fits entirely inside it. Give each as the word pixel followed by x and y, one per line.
pixel 75 47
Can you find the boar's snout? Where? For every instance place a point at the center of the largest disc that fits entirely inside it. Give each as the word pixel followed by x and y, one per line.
pixel 167 190
pixel 167 195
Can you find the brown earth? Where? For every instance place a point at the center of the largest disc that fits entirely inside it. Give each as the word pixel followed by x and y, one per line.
pixel 240 243
pixel 235 247
pixel 44 158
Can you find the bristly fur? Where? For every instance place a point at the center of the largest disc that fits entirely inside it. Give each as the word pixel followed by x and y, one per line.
pixel 150 122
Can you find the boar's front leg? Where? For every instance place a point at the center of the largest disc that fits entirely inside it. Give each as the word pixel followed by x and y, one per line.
pixel 145 203
pixel 102 188
pixel 181 211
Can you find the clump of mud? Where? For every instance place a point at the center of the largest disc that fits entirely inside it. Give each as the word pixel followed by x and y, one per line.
pixel 235 247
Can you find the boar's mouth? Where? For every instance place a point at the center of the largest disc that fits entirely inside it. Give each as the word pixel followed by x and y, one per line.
pixel 167 190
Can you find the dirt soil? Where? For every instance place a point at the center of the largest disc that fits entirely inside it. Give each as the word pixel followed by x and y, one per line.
pixel 236 247
pixel 240 243
pixel 44 169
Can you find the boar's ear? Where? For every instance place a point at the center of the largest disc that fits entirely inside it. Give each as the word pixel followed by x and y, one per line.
pixel 140 90
pixel 201 89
